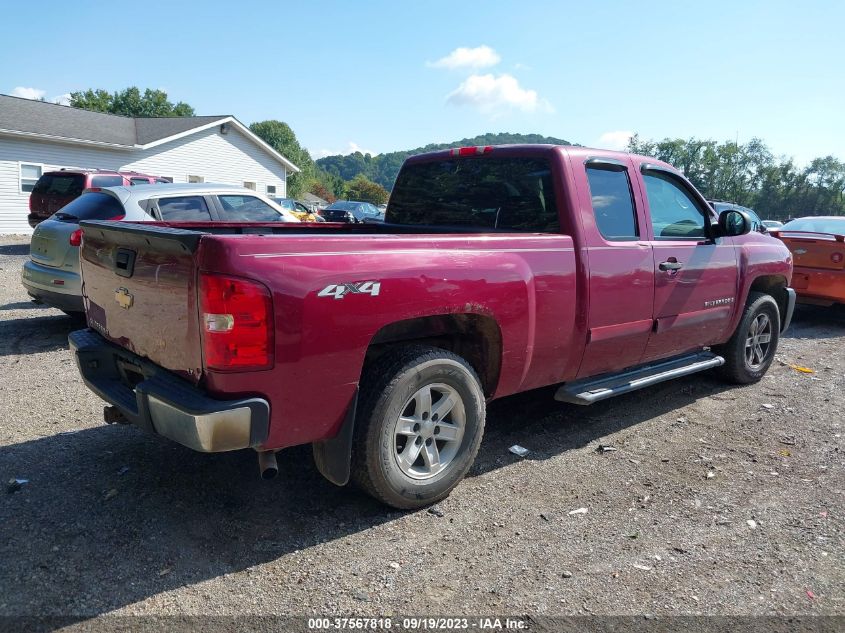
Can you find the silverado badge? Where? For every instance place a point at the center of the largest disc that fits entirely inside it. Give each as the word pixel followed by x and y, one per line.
pixel 124 298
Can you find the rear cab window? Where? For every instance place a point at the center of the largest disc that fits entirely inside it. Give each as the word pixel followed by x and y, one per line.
pixel 92 206
pixel 485 193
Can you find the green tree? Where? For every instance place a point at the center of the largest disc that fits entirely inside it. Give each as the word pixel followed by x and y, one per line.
pixel 383 168
pixel 130 102
pixel 363 189
pixel 281 138
pixel 321 191
pixel 750 175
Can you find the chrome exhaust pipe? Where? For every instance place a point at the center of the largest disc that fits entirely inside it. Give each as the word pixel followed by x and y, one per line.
pixel 267 465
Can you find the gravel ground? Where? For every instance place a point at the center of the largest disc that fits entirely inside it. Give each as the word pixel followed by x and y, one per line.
pixel 719 500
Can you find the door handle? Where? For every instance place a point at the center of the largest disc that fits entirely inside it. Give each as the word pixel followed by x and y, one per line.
pixel 670 265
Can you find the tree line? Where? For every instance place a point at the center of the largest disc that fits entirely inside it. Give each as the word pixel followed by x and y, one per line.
pixel 383 168
pixel 749 174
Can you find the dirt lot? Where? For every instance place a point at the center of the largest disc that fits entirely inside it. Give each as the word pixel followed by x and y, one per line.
pixel 718 500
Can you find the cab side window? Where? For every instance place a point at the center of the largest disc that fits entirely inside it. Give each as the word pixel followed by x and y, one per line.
pixel 613 205
pixel 674 212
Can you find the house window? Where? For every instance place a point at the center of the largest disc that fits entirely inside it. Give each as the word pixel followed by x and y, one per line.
pixel 271 190
pixel 29 175
pixel 249 185
pixel 195 179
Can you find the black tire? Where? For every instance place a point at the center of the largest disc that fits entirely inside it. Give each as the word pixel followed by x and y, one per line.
pixel 738 367
pixel 387 391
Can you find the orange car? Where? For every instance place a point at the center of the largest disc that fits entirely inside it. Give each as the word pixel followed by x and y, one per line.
pixel 818 254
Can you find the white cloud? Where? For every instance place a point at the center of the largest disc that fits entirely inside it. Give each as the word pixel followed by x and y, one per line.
pixel 351 148
pixel 37 93
pixel 28 93
pixel 494 95
pixel 617 139
pixel 478 57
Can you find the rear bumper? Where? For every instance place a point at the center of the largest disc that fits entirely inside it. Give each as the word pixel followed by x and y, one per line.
pixel 163 403
pixel 819 284
pixel 59 288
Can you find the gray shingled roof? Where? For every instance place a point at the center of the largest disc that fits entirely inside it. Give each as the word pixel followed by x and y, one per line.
pixel 153 129
pixel 38 117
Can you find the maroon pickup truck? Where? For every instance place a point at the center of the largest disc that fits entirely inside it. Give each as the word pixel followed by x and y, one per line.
pixel 498 270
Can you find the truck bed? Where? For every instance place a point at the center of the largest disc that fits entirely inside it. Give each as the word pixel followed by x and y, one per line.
pixel 520 286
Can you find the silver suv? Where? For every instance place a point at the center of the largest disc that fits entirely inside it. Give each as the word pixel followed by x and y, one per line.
pixel 52 274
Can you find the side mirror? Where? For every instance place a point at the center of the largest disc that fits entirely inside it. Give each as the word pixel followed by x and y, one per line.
pixel 734 222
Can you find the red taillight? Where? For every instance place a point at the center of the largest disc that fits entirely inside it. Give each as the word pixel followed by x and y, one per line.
pixel 76 238
pixel 117 217
pixel 472 151
pixel 237 323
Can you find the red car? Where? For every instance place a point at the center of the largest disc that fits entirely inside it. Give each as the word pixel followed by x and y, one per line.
pixel 55 189
pixel 818 249
pixel 498 270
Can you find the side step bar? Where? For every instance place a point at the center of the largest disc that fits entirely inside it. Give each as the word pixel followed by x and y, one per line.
pixel 606 386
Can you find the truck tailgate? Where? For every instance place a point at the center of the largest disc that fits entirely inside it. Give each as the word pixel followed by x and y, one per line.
pixel 139 285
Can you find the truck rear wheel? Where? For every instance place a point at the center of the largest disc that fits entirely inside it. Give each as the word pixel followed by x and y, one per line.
pixel 751 350
pixel 418 427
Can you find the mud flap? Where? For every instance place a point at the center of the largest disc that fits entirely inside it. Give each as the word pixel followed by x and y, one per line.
pixel 333 456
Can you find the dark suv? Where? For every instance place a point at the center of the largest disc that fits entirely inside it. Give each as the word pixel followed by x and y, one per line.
pixel 57 188
pixel 351 211
pixel 756 223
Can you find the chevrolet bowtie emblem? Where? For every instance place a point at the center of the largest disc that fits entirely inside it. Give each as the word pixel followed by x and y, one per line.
pixel 124 298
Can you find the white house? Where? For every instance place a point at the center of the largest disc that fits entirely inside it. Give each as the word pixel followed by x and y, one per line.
pixel 36 137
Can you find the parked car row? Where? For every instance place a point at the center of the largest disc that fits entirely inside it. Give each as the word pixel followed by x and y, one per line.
pixel 55 189
pixel 52 274
pixel 302 213
pixel 352 211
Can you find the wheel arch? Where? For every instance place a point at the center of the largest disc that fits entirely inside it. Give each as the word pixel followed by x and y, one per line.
pixel 776 287
pixel 475 337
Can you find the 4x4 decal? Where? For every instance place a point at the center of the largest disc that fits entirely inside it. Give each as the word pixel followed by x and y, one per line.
pixel 339 291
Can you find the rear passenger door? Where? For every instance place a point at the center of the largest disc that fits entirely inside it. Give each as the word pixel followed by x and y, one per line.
pixel 695 276
pixel 621 265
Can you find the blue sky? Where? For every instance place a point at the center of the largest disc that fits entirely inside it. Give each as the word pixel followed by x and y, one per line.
pixel 382 76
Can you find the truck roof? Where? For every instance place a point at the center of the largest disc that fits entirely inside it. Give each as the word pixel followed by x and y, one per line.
pixel 533 149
